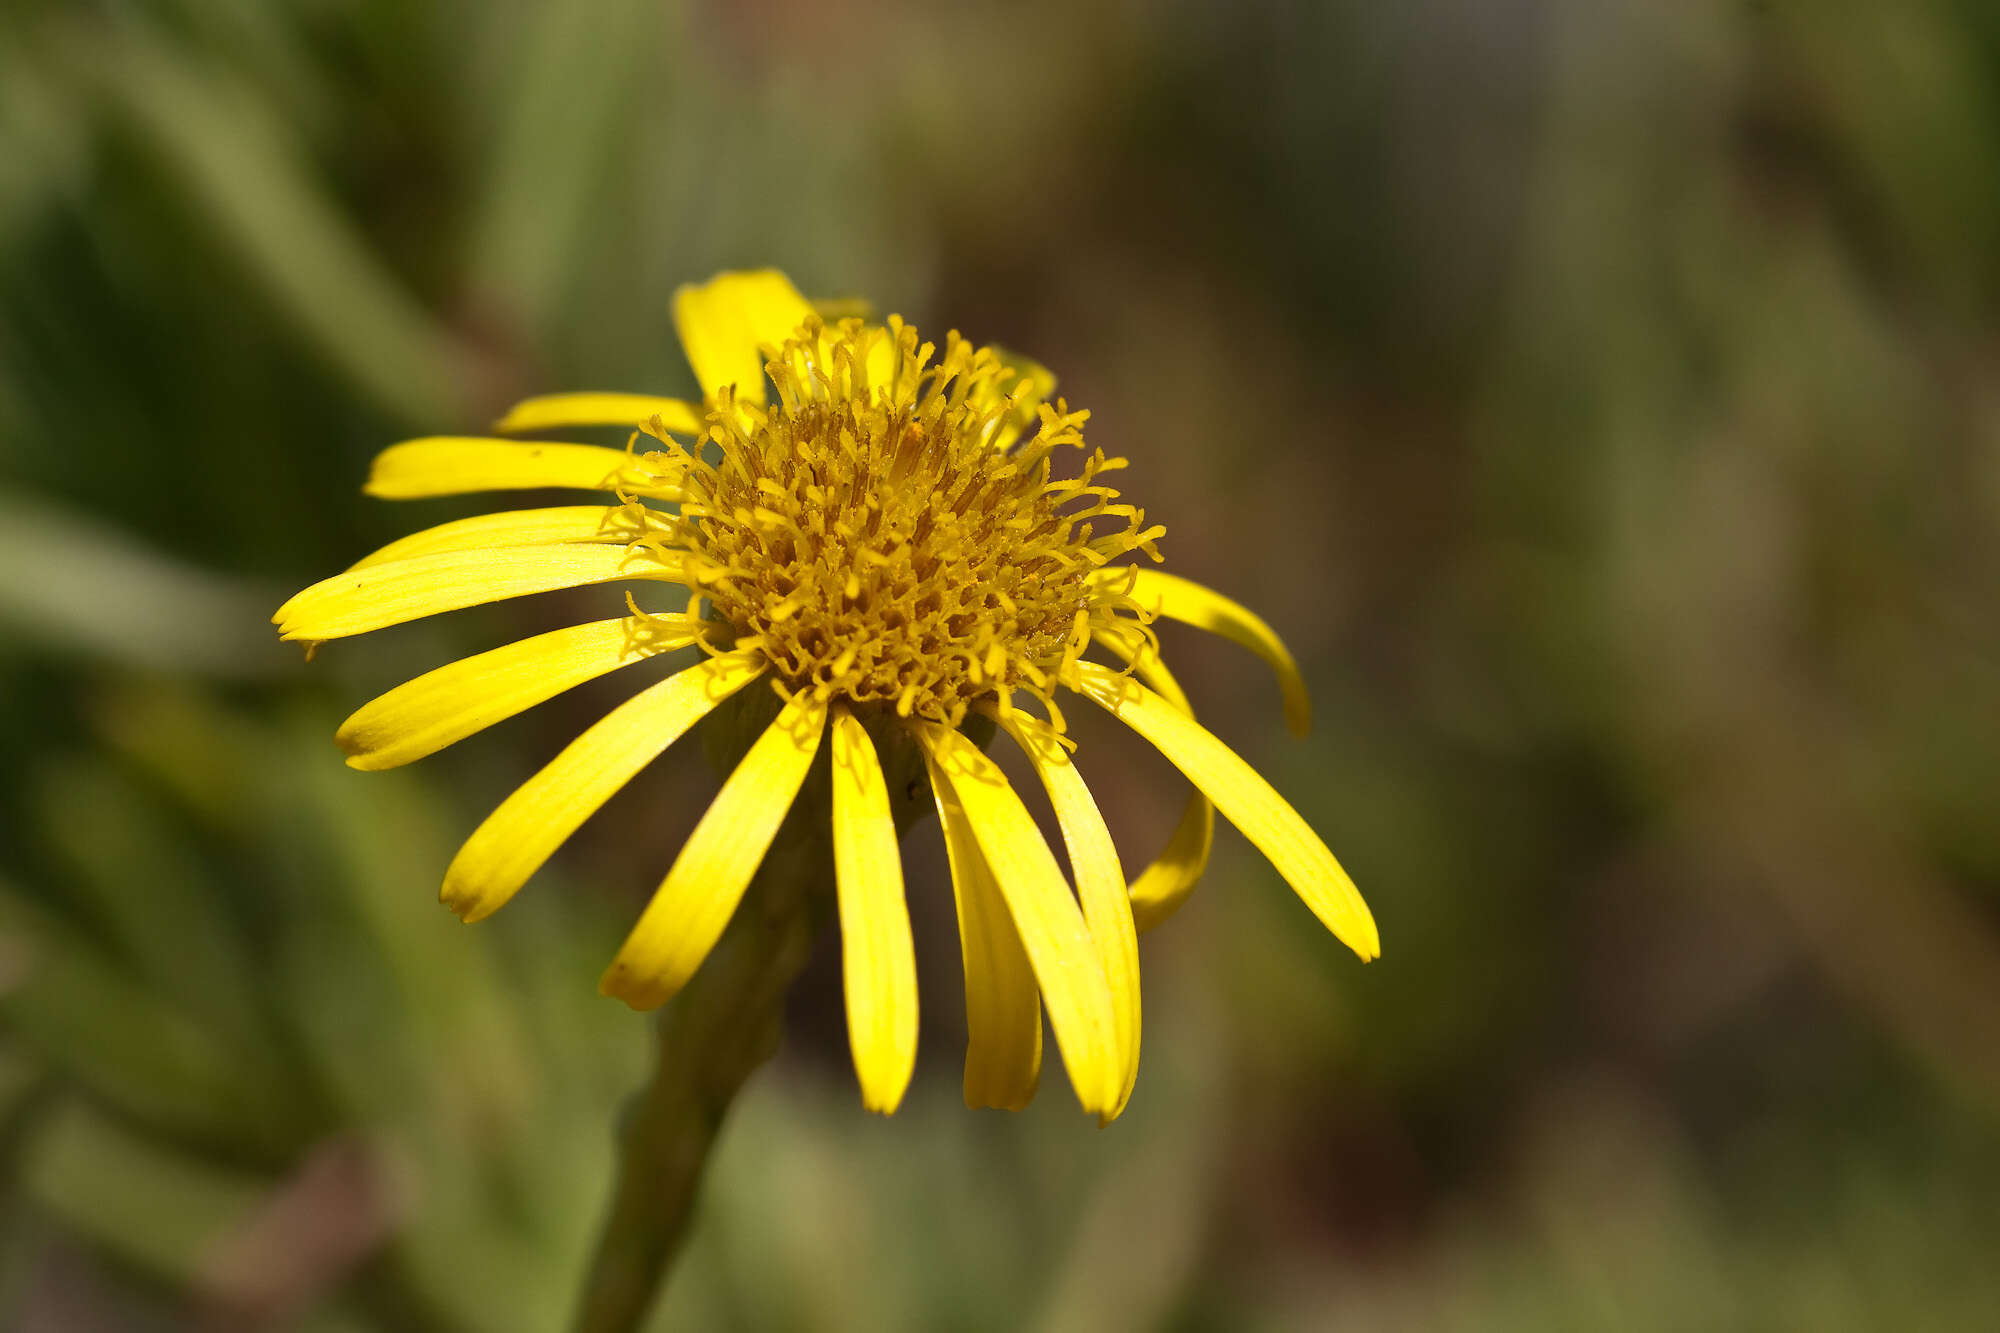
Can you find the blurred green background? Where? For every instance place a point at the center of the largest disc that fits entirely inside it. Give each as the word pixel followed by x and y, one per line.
pixel 1603 397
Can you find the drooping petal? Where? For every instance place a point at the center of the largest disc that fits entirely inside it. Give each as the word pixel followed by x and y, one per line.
pixel 460 465
pixel 878 960
pixel 539 817
pixel 700 893
pixel 1100 884
pixel 1164 885
pixel 554 411
pixel 524 527
pixel 1003 1007
pixel 442 707
pixel 361 600
pixel 1038 899
pixel 1245 799
pixel 724 321
pixel 1204 608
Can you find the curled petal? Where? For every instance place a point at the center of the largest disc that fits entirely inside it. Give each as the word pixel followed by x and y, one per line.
pixel 1160 889
pixel 1204 608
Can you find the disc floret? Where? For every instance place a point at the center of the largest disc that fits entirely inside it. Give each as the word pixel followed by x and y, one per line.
pixel 882 535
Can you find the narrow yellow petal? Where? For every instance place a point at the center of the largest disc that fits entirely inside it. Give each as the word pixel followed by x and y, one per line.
pixel 878 960
pixel 367 599
pixel 700 893
pixel 724 321
pixel 524 527
pixel 1245 799
pixel 554 411
pixel 1204 608
pixel 444 706
pixel 459 465
pixel 1003 1007
pixel 1164 885
pixel 1100 884
pixel 539 817
pixel 1038 899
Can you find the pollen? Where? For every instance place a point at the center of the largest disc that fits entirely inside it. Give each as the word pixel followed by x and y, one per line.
pixel 891 531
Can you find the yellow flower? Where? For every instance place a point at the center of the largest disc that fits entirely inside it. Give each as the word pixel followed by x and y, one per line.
pixel 889 547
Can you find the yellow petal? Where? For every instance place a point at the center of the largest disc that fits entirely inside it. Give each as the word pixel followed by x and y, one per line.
pixel 1164 885
pixel 528 826
pixel 878 961
pixel 1204 608
pixel 723 323
pixel 1245 799
pixel 524 527
pixel 361 600
pixel 1003 1007
pixel 444 706
pixel 1038 899
pixel 555 410
pixel 459 465
pixel 700 893
pixel 1100 884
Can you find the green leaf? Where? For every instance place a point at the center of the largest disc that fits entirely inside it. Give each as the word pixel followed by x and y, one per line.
pixel 233 157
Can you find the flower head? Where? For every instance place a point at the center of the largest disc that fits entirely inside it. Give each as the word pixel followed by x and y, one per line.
pixel 877 528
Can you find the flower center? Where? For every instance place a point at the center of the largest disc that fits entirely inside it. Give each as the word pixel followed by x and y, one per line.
pixel 881 534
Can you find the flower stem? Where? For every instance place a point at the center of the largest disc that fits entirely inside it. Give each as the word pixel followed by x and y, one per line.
pixel 708 1040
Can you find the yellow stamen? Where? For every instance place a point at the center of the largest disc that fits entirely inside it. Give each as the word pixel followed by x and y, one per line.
pixel 879 548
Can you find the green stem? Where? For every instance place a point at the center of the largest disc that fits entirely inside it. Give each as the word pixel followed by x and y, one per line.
pixel 709 1039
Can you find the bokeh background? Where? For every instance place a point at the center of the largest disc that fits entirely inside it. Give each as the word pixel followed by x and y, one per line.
pixel 1603 396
